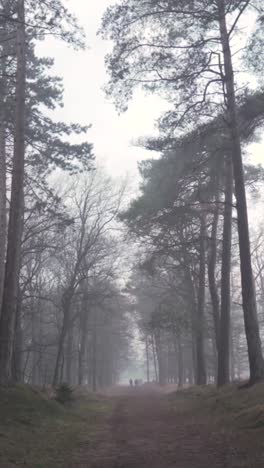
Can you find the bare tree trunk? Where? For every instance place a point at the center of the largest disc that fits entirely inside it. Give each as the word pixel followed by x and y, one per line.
pixel 154 358
pixel 69 351
pixel 83 339
pixel 59 357
pixel 232 353
pixel 147 356
pixel 179 354
pixel 8 315
pixel 256 363
pixel 34 338
pixel 212 268
pixel 17 366
pixel 66 310
pixel 160 359
pixel 193 312
pixel 224 335
pixel 201 368
pixel 3 225
pixel 61 370
pixel 94 353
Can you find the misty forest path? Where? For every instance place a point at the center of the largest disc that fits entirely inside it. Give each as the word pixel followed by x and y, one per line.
pixel 145 431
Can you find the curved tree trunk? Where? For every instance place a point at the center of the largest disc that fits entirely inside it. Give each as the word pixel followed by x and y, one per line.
pixel 256 363
pixel 224 336
pixel 9 304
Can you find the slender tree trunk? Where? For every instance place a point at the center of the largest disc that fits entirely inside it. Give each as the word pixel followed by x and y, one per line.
pixel 9 304
pixel 147 356
pixel 179 354
pixel 69 356
pixel 201 368
pixel 83 339
pixel 160 359
pixel 94 354
pixel 34 338
pixel 256 363
pixel 17 366
pixel 59 357
pixel 232 353
pixel 3 226
pixel 154 358
pixel 61 370
pixel 212 267
pixel 193 316
pixel 66 310
pixel 224 336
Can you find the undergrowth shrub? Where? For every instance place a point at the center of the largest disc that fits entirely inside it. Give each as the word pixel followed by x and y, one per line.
pixel 64 394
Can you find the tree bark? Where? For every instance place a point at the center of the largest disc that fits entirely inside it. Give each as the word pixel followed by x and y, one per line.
pixel 179 353
pixel 224 336
pixel 256 363
pixel 153 343
pixel 212 267
pixel 17 366
pixel 8 315
pixel 193 313
pixel 3 224
pixel 83 339
pixel 94 354
pixel 66 311
pixel 160 359
pixel 147 357
pixel 56 376
pixel 201 368
pixel 69 352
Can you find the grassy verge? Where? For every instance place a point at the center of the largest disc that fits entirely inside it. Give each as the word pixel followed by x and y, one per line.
pixel 230 406
pixel 36 432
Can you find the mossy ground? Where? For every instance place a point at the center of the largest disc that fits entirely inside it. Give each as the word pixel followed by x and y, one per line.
pixel 36 432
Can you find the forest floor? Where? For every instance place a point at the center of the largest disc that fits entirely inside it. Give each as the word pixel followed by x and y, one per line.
pixel 134 428
pixel 195 428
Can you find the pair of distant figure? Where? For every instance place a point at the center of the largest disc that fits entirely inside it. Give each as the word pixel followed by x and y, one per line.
pixel 131 383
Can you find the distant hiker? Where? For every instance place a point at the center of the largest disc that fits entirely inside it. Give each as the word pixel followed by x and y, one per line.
pixel 136 382
pixel 131 382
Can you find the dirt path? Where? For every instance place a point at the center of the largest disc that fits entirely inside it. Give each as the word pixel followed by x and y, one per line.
pixel 144 432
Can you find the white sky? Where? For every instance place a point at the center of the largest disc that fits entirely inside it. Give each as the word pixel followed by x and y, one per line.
pixel 84 76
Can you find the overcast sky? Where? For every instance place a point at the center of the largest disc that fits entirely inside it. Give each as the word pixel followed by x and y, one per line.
pixel 84 76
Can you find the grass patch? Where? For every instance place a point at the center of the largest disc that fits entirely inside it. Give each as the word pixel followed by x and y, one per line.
pixel 36 432
pixel 229 406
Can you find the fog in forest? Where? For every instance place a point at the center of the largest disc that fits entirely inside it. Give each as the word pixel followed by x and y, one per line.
pixel 131 233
